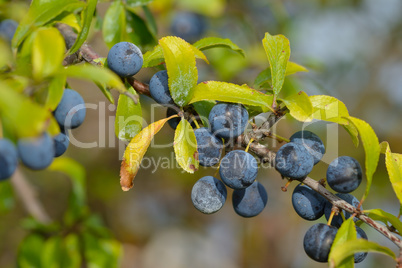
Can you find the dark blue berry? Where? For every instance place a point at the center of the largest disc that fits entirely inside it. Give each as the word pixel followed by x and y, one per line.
pixel 337 220
pixel 7 29
pixel 61 142
pixel 209 147
pixel 238 169
pixel 360 256
pixel 228 120
pixel 8 159
pixel 189 26
pixel 318 241
pixel 307 203
pixel 36 153
pixel 344 174
pixel 208 195
pixel 294 161
pixel 251 201
pixel 174 122
pixel 125 59
pixel 71 111
pixel 159 88
pixel 311 142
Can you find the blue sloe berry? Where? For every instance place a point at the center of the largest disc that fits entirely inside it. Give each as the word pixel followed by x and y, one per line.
pixel 251 201
pixel 307 203
pixel 361 234
pixel 71 111
pixel 189 26
pixel 61 142
pixel 344 174
pixel 208 194
pixel 8 159
pixel 311 142
pixel 238 169
pixel 125 59
pixel 159 88
pixel 209 147
pixel 337 220
pixel 228 120
pixel 7 29
pixel 318 241
pixel 294 161
pixel 36 153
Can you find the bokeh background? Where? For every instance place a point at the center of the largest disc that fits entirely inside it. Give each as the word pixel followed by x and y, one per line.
pixel 353 50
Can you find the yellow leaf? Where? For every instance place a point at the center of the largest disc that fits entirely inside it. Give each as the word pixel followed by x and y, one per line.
pixel 328 108
pixel 393 162
pixel 185 147
pixel 135 151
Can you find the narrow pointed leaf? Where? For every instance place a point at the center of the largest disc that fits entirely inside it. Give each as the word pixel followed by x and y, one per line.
pixel 347 232
pixel 180 65
pixel 277 49
pixel 371 147
pixel 55 92
pixel 135 151
pixel 88 14
pixel 212 42
pixel 128 122
pixel 48 50
pixel 299 106
pixel 185 147
pixel 114 24
pixel 221 91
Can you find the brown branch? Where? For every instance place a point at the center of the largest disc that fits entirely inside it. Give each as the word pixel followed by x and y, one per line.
pixel 29 197
pixel 88 54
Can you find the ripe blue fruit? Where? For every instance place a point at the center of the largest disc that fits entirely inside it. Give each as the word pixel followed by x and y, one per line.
pixel 189 26
pixel 251 201
pixel 159 88
pixel 36 153
pixel 294 161
pixel 71 111
pixel 61 142
pixel 174 121
pixel 318 241
pixel 7 29
pixel 344 174
pixel 228 120
pixel 311 142
pixel 360 256
pixel 125 59
pixel 8 159
pixel 307 203
pixel 208 194
pixel 209 147
pixel 337 220
pixel 238 169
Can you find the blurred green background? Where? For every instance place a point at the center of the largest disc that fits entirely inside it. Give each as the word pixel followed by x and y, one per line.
pixel 353 50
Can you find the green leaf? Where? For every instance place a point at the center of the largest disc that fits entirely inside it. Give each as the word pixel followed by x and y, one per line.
pixel 385 217
pixel 393 162
pixel 180 65
pixel 6 55
pixel 30 251
pixel 299 106
pixel 77 201
pixel 330 109
pixel 265 76
pixel 137 3
pixel 87 14
pixel 47 52
pixel 221 91
pixel 114 24
pixel 102 252
pixel 64 253
pixel 106 92
pixel 185 147
pixel 353 132
pixel 212 42
pixel 139 32
pixel 128 122
pixel 354 246
pixel 153 27
pixel 72 21
pixel 32 119
pixel 203 108
pixel 95 74
pixel 7 200
pixel 42 12
pixel 55 92
pixel 347 232
pixel 371 147
pixel 277 49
